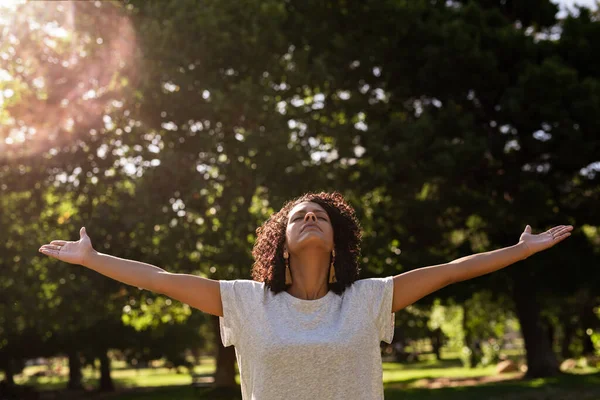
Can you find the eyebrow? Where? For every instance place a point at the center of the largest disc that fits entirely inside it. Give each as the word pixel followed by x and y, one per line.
pixel 305 211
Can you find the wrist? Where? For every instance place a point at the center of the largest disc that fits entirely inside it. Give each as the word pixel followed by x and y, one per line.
pixel 524 250
pixel 88 257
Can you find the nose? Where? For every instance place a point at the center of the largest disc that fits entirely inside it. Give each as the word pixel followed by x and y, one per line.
pixel 310 216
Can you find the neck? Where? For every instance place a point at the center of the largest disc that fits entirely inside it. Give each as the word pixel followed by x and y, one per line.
pixel 310 270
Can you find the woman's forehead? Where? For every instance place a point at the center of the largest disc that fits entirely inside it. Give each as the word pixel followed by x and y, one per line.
pixel 307 206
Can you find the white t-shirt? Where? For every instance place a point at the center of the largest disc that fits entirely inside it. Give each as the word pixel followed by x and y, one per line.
pixel 290 348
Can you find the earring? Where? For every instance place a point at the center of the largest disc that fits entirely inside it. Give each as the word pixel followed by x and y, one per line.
pixel 332 278
pixel 288 274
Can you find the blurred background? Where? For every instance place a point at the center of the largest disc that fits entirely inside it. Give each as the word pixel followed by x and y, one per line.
pixel 172 130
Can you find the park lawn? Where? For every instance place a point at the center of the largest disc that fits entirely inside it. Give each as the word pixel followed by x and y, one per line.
pixel 406 374
pixel 401 381
pixel 564 387
pixel 122 377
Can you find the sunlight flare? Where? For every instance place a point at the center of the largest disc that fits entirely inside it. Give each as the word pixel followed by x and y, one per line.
pixel 63 67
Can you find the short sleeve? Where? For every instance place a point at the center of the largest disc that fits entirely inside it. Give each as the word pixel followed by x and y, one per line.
pixel 385 316
pixel 239 298
pixel 380 294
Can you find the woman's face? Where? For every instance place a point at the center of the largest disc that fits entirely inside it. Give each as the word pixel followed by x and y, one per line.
pixel 308 226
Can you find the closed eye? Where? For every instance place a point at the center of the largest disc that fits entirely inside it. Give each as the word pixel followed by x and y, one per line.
pixel 296 219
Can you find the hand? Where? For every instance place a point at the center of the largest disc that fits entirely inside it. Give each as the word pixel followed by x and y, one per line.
pixel 71 252
pixel 543 241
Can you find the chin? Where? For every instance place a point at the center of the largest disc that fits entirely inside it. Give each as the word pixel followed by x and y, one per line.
pixel 312 241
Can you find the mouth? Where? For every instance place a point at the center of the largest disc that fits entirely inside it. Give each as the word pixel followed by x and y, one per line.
pixel 310 227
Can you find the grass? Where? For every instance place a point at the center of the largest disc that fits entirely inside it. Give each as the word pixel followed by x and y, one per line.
pixel 401 381
pixel 406 373
pixel 123 377
pixel 564 387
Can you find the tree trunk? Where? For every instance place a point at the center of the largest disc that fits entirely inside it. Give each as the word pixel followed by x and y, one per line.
pixel 106 383
pixel 588 345
pixel 541 360
pixel 74 371
pixel 225 373
pixel 437 341
pixel 471 341
pixel 196 354
pixel 588 321
pixel 568 331
pixel 550 331
pixel 9 373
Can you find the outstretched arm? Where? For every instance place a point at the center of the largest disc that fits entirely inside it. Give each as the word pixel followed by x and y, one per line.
pixel 413 285
pixel 196 291
pixel 201 293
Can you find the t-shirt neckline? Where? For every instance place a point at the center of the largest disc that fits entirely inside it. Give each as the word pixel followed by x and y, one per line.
pixel 297 300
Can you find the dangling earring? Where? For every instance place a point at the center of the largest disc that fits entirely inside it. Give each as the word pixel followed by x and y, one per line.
pixel 288 274
pixel 332 278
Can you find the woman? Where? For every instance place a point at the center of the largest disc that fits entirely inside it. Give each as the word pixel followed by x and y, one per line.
pixel 306 327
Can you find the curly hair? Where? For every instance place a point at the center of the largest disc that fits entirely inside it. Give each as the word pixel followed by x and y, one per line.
pixel 269 264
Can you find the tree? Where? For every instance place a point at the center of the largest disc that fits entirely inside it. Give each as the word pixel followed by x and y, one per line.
pixel 461 118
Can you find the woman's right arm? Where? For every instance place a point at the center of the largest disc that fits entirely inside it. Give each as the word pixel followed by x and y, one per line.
pixel 201 293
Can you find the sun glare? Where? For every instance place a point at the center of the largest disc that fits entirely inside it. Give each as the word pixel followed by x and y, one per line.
pixel 59 78
pixel 7 9
pixel 11 4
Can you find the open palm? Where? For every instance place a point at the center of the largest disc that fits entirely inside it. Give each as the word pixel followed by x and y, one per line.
pixel 71 252
pixel 545 240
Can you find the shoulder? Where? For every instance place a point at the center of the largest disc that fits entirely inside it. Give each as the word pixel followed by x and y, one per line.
pixel 241 295
pixel 245 283
pixel 372 285
pixel 371 290
pixel 241 286
pixel 242 290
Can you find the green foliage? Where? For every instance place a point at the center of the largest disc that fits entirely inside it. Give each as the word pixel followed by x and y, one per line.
pixel 448 127
pixel 491 353
pixel 487 317
pixel 449 319
pixel 154 312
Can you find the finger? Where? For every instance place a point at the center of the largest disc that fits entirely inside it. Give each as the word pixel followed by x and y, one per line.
pixel 562 236
pixel 59 242
pixel 528 229
pixel 50 247
pixel 563 230
pixel 555 229
pixel 50 252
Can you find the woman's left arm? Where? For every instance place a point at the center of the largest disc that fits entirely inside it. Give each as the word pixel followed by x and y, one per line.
pixel 413 285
